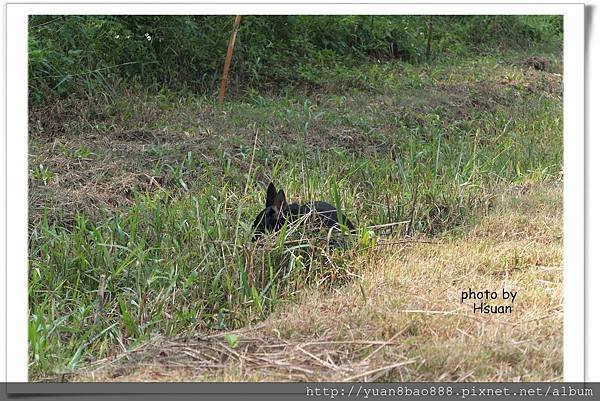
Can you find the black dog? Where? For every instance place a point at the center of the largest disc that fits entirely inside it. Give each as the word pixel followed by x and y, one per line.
pixel 277 212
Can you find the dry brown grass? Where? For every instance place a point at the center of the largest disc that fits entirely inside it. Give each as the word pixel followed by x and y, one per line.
pixel 403 319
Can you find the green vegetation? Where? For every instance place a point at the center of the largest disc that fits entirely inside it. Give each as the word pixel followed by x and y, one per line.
pixel 143 178
pixel 84 55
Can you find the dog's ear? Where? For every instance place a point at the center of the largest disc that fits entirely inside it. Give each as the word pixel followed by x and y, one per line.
pixel 280 204
pixel 271 193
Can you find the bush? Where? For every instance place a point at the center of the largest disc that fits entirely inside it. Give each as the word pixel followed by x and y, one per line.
pixel 82 54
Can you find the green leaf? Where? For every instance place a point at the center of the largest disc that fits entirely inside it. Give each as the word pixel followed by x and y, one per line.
pixel 232 340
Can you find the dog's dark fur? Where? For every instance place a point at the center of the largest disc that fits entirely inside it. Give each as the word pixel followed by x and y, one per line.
pixel 277 212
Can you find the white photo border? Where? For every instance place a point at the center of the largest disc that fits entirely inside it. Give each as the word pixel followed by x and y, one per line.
pixel 16 145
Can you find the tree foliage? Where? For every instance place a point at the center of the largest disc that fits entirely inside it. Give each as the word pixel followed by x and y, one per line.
pixel 80 54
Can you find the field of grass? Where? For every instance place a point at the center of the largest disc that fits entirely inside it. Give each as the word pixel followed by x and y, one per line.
pixel 402 319
pixel 156 193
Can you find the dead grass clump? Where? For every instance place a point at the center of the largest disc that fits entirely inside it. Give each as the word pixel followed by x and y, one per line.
pixel 83 184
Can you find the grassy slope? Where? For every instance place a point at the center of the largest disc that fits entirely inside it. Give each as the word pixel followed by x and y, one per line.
pixel 157 192
pixel 410 324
